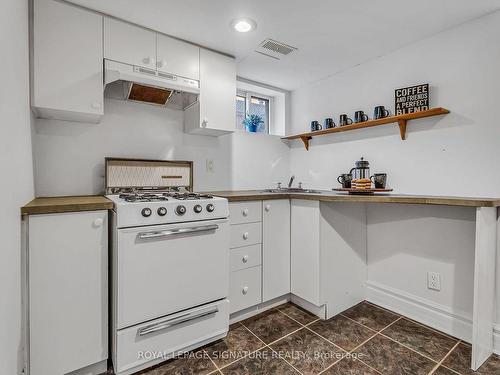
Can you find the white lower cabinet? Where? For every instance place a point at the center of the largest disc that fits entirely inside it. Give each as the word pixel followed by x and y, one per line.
pixel 305 250
pixel 67 256
pixel 245 288
pixel 260 252
pixel 275 248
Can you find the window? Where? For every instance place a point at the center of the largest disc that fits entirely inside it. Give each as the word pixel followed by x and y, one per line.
pixel 248 104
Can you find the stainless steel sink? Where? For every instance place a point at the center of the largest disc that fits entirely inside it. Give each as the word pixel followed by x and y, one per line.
pixel 292 190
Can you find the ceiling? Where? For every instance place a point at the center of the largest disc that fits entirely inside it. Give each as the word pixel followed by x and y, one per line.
pixel 331 35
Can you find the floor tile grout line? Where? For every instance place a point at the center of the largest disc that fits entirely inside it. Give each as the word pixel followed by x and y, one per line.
pixel 305 325
pixel 361 324
pixel 280 357
pixel 407 347
pixel 329 341
pixel 211 360
pixel 444 358
pixel 430 328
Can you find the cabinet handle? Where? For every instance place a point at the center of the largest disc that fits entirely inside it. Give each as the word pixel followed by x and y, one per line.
pixel 245 236
pixel 147 60
pixel 245 259
pixel 244 290
pixel 204 123
pixel 98 222
pixel 267 207
pixel 96 105
pixel 245 212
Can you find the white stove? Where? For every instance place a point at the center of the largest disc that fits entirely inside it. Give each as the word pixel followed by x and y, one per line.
pixel 170 263
pixel 166 206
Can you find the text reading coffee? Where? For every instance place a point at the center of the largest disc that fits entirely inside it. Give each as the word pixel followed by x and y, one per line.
pixel 412 99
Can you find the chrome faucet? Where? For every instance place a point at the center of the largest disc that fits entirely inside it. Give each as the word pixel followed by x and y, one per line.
pixel 291 181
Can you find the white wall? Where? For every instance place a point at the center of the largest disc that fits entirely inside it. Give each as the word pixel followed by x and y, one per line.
pixel 16 170
pixel 69 156
pixel 457 154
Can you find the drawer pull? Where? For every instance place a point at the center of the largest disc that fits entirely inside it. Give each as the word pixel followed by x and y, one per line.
pixel 245 236
pixel 267 207
pixel 164 324
pixel 245 212
pixel 244 290
pixel 245 259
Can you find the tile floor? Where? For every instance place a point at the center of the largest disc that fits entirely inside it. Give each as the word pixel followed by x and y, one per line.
pixel 363 340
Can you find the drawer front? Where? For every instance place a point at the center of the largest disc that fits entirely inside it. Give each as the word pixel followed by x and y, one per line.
pixel 170 334
pixel 246 234
pixel 245 257
pixel 245 288
pixel 245 212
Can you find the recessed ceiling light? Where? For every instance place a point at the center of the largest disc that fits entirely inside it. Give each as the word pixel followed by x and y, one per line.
pixel 243 25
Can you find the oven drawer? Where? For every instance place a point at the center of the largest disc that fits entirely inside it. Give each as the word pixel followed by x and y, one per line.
pixel 245 288
pixel 162 338
pixel 245 257
pixel 163 269
pixel 245 212
pixel 246 234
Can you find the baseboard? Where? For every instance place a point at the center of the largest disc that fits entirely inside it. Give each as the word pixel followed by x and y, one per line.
pixel 437 316
pixel 430 313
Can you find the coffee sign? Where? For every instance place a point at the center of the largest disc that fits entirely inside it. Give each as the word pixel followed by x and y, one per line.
pixel 412 99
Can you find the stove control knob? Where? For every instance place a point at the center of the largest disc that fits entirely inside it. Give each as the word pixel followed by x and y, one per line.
pixel 180 210
pixel 146 212
pixel 197 208
pixel 210 207
pixel 162 211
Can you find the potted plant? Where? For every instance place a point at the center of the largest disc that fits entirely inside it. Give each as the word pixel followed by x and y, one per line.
pixel 253 123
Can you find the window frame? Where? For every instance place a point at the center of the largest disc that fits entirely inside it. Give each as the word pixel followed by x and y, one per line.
pixel 248 95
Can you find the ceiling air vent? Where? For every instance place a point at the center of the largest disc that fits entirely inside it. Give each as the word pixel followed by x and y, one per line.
pixel 274 49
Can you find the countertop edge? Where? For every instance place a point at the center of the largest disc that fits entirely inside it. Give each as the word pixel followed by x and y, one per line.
pixel 241 196
pixel 63 204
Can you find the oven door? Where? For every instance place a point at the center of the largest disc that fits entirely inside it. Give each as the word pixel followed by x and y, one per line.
pixel 163 269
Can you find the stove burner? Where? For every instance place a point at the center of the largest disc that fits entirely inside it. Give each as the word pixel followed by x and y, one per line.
pixel 187 196
pixel 146 197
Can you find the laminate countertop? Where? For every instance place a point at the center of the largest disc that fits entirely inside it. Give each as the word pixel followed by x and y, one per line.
pixel 330 196
pixel 51 205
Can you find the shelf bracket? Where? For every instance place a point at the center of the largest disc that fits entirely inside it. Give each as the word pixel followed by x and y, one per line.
pixel 306 141
pixel 402 128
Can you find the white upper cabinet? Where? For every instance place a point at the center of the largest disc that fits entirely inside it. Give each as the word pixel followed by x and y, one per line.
pixel 177 57
pixel 215 112
pixel 129 44
pixel 67 69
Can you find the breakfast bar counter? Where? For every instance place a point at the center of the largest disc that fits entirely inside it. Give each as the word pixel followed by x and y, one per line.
pixel 330 196
pixel 339 231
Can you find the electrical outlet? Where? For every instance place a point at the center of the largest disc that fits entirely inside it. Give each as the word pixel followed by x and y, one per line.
pixel 210 164
pixel 433 281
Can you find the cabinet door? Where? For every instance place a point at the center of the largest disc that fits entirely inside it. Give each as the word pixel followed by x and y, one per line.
pixel 68 311
pixel 216 112
pixel 275 248
pixel 129 44
pixel 305 250
pixel 178 57
pixel 67 62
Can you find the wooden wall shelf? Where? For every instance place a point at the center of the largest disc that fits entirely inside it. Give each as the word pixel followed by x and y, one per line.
pixel 401 120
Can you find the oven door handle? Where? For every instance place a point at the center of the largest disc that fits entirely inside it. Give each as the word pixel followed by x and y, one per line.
pixel 168 323
pixel 174 232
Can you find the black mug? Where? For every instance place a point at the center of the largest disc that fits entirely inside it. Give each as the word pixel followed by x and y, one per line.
pixel 380 112
pixel 344 120
pixel 360 116
pixel 379 180
pixel 345 180
pixel 315 126
pixel 328 123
